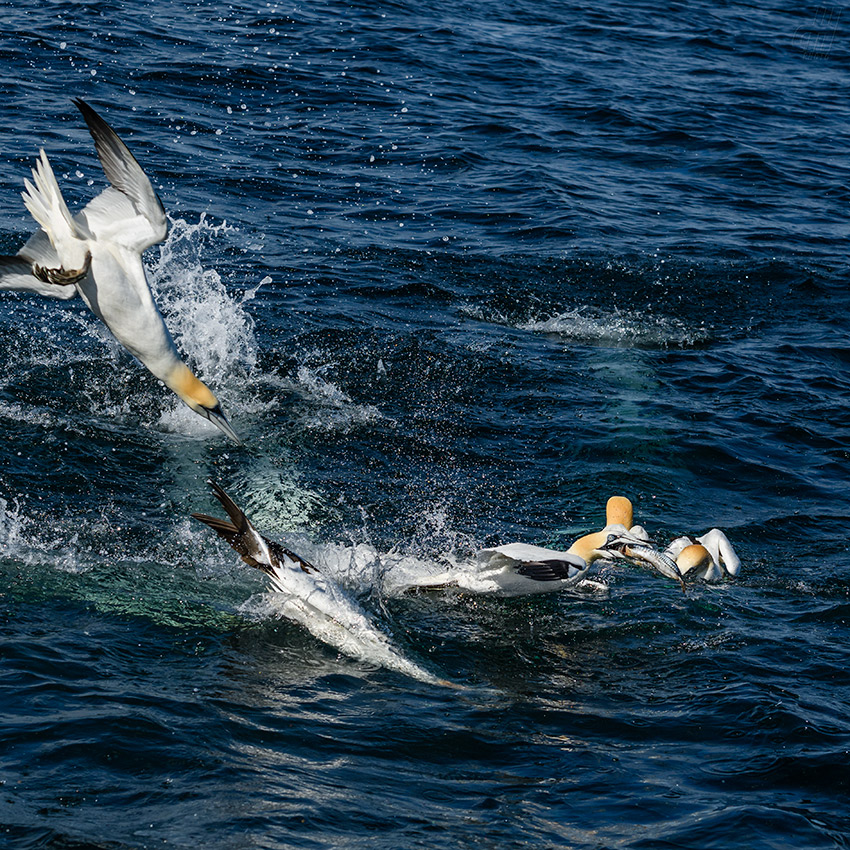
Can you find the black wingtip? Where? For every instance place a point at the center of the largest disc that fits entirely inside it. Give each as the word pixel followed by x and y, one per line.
pixel 549 570
pixel 236 514
pixel 98 127
pixel 218 490
pixel 88 113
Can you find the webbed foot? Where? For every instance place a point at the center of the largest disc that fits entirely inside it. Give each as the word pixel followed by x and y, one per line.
pixel 61 276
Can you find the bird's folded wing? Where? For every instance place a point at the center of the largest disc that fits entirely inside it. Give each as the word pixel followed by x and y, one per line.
pixel 550 570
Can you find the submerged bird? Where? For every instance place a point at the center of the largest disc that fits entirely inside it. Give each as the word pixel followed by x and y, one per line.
pixel 307 596
pixel 519 569
pixel 98 254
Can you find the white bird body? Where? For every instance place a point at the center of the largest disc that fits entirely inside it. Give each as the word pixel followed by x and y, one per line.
pixel 521 569
pixel 98 253
pixel 710 557
pixel 307 596
pixel 515 569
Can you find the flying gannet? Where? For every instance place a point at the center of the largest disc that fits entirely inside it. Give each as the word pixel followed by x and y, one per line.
pixel 98 254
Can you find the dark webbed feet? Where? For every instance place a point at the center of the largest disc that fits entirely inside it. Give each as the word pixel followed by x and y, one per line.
pixel 61 276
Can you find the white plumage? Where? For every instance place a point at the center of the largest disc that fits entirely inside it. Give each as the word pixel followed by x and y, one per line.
pixel 520 569
pixel 98 254
pixel 307 596
pixel 710 557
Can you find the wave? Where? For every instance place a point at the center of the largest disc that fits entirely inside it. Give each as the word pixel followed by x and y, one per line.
pixel 614 327
pixel 620 328
pixel 329 408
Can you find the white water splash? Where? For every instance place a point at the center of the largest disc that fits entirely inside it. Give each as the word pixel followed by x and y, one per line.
pixel 391 574
pixel 212 329
pixel 275 497
pixel 29 541
pixel 612 327
pixel 16 412
pixel 333 409
pixel 621 328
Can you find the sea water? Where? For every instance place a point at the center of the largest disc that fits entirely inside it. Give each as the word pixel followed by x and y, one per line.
pixel 457 273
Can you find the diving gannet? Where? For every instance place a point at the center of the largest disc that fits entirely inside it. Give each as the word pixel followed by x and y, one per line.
pixel 307 596
pixel 98 253
pixel 520 569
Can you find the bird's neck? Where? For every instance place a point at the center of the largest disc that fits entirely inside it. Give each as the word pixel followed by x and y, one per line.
pixel 587 547
pixel 192 390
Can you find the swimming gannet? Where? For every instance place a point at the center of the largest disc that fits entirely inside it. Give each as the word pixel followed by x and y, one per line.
pixel 619 519
pixel 519 569
pixel 710 557
pixel 307 596
pixel 98 253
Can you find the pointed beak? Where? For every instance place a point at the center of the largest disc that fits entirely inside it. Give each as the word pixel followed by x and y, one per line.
pixel 217 417
pixel 616 544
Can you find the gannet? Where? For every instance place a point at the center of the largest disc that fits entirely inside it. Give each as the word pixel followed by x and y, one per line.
pixel 307 596
pixel 520 569
pixel 619 519
pixel 98 253
pixel 710 557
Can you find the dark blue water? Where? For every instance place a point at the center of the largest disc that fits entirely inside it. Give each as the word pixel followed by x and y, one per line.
pixel 458 272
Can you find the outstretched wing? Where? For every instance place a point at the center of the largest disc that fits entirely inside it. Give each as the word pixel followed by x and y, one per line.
pixel 254 549
pixel 126 175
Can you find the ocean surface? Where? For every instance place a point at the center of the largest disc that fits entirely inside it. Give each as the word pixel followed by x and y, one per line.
pixel 458 272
